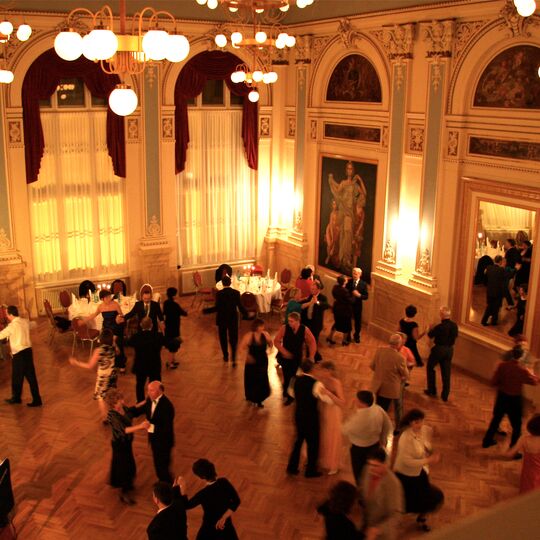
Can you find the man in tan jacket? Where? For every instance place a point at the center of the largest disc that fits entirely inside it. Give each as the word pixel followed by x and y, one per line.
pixel 389 372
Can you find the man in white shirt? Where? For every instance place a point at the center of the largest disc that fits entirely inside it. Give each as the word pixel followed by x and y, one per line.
pixel 18 333
pixel 367 428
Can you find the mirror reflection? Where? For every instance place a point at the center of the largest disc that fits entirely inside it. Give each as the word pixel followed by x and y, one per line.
pixel 502 262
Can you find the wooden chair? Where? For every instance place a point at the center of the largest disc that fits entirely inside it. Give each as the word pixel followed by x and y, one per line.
pixel 285 279
pixel 83 333
pixel 65 300
pixel 202 294
pixel 279 305
pixel 250 304
pixel 55 328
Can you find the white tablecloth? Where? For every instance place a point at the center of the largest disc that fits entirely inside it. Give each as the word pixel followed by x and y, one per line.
pixel 264 289
pixel 83 308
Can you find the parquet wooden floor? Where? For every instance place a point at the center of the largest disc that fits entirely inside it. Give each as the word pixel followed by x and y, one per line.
pixel 60 453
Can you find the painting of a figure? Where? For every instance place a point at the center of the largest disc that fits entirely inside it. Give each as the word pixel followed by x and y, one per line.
pixel 354 79
pixel 346 214
pixel 511 80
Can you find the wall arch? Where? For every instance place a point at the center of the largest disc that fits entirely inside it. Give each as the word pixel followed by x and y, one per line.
pixel 332 55
pixel 477 56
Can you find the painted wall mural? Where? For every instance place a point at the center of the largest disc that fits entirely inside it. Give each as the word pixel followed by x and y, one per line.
pixel 347 210
pixel 354 79
pixel 511 80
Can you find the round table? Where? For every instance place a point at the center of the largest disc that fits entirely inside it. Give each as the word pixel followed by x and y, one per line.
pixel 264 289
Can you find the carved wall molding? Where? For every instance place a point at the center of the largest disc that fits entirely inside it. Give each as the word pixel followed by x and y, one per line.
pixel 15 135
pixel 439 37
pixel 291 127
pixel 313 130
pixel 302 49
pixel 513 21
pixel 5 242
pixel 133 131
pixel 348 34
pixel 384 136
pixel 154 227
pixel 452 143
pixel 424 263
pixel 397 41
pixel 318 45
pixel 464 32
pixel 167 128
pixel 265 126
pixel 416 137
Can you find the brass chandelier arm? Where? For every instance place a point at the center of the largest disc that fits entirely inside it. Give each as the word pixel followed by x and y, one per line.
pixel 104 12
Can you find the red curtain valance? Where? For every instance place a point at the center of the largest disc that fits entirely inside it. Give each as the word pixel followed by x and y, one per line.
pixel 213 65
pixel 41 81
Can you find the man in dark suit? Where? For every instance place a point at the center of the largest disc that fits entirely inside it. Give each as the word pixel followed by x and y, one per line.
pixel 495 285
pixel 228 305
pixel 159 412
pixel 146 307
pixel 313 315
pixel 359 292
pixel 307 391
pixel 170 522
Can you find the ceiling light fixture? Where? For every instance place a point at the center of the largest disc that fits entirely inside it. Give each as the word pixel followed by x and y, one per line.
pixel 6 30
pixel 123 53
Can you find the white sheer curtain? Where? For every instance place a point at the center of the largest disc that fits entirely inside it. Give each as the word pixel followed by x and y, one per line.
pixel 216 192
pixel 76 206
pixel 505 218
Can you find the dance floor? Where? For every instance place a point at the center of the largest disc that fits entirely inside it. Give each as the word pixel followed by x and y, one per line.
pixel 60 454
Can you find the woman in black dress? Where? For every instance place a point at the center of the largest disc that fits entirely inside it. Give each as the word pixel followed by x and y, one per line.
pixel 410 328
pixel 123 466
pixel 255 344
pixel 219 501
pixel 343 312
pixel 336 512
pixel 172 311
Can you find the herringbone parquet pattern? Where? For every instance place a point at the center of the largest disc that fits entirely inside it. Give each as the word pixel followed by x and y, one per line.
pixel 60 454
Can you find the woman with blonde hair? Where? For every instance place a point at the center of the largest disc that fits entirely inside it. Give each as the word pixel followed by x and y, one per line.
pixel 330 418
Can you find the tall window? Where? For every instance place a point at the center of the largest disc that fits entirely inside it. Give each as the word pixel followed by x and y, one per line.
pixel 217 190
pixel 77 204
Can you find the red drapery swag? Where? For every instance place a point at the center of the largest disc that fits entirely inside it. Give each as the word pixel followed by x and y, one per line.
pixel 41 81
pixel 213 65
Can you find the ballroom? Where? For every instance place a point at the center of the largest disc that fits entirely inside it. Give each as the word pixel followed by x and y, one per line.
pixel 145 144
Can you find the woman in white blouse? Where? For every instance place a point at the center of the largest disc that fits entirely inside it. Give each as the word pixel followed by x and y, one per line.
pixel 413 457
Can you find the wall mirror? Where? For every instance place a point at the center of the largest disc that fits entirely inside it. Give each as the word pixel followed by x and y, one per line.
pixel 503 249
pixel 496 264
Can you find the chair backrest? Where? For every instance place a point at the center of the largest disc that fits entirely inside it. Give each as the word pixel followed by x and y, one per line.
pixel 80 328
pixel 65 299
pixel 285 276
pixel 49 311
pixel 197 279
pixel 249 301
pixel 287 295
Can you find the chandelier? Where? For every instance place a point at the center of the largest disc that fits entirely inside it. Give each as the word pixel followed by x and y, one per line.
pixel 6 30
pixel 255 27
pixel 127 52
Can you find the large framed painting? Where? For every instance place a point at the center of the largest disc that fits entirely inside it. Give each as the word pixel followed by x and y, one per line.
pixel 346 214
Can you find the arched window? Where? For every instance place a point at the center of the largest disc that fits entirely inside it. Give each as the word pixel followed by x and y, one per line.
pixel 77 203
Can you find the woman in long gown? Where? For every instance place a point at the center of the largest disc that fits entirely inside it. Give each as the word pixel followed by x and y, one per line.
pixel 123 468
pixel 103 358
pixel 172 311
pixel 110 310
pixel 254 345
pixel 219 500
pixel 342 310
pixel 330 419
pixel 529 446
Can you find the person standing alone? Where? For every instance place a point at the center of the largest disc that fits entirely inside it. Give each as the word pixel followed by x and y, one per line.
pixel 359 293
pixel 18 332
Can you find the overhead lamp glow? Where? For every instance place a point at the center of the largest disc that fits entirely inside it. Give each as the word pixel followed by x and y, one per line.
pixel 68 45
pixel 103 43
pixel 155 44
pixel 6 76
pixel 238 77
pixel 280 43
pixel 221 40
pixel 525 7
pixel 301 4
pixel 290 41
pixel 260 37
pixel 236 37
pixel 233 9
pixel 123 100
pixel 257 75
pixel 253 96
pixel 88 48
pixel 178 48
pixel 259 10
pixel 272 77
pixel 212 4
pixel 6 28
pixel 24 32
pixel 284 8
pixel 201 2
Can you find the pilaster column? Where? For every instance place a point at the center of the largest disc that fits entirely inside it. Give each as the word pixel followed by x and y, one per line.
pixel 438 35
pixel 12 267
pixel 302 53
pixel 398 42
pixel 154 248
